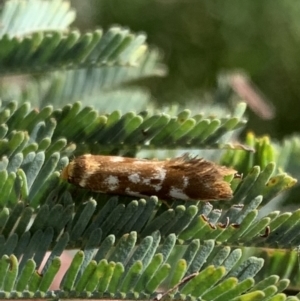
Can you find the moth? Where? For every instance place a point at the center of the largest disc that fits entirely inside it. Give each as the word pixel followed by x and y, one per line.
pixel 182 178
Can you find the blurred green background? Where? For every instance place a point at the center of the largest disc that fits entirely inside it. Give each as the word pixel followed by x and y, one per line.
pixel 200 39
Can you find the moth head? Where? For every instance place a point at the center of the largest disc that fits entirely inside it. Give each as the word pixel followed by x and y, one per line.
pixel 67 172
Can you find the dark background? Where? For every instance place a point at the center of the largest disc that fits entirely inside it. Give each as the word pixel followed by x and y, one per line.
pixel 201 38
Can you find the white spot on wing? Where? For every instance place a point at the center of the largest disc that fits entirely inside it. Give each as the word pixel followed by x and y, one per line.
pixel 160 174
pixel 134 178
pixel 83 181
pixel 178 194
pixel 112 182
pixel 157 187
pixel 116 159
pixel 185 182
pixel 146 181
pixel 141 161
pixel 133 193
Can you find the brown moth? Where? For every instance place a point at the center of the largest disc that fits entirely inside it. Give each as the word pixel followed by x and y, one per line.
pixel 182 178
